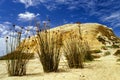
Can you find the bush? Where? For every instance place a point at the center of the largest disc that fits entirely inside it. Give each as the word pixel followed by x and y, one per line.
pixel 49 44
pixel 118 60
pixel 88 56
pixel 107 53
pixel 117 53
pixel 16 56
pixel 104 47
pixel 76 52
pixel 115 46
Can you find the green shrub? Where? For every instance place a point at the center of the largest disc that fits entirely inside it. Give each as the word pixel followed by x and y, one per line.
pixel 104 47
pixel 115 46
pixel 117 53
pixel 118 60
pixel 107 53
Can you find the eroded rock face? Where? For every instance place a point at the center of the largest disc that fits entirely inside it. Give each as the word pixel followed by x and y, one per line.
pixel 95 34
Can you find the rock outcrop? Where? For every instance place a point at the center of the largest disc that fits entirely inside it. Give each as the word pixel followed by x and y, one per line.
pixel 97 35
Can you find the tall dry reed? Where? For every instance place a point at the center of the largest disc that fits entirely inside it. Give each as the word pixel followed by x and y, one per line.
pixel 17 54
pixel 49 45
pixel 76 50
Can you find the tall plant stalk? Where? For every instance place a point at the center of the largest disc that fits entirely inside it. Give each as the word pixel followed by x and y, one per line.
pixel 17 58
pixel 76 50
pixel 49 43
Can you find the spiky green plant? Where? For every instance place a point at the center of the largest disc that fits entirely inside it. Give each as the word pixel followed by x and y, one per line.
pixel 17 54
pixel 49 43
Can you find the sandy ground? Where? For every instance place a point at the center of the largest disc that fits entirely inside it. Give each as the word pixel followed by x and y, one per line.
pixel 104 68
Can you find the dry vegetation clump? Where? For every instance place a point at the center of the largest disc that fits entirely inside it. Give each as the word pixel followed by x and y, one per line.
pixel 49 44
pixel 117 53
pixel 115 46
pixel 118 60
pixel 17 57
pixel 104 47
pixel 107 53
pixel 76 51
pixel 88 56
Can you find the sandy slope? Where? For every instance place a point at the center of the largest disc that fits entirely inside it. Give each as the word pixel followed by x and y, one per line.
pixel 105 68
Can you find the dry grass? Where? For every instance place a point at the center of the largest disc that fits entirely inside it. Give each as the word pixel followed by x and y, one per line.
pixel 49 44
pixel 77 51
pixel 16 57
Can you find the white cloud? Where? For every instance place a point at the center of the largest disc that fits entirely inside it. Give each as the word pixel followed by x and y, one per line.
pixel 54 4
pixel 7 22
pixel 27 16
pixel 28 3
pixel 112 16
pixel 113 19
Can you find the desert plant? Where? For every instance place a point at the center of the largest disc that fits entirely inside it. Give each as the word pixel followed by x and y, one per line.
pixel 17 53
pixel 107 53
pixel 73 54
pixel 117 53
pixel 118 60
pixel 115 46
pixel 104 47
pixel 76 51
pixel 49 43
pixel 88 56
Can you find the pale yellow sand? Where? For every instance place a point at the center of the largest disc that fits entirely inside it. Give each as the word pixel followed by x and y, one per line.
pixel 104 68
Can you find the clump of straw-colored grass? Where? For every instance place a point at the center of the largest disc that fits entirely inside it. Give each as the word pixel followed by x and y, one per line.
pixel 76 51
pixel 17 57
pixel 49 43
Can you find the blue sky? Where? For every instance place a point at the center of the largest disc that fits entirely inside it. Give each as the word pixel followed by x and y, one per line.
pixel 24 12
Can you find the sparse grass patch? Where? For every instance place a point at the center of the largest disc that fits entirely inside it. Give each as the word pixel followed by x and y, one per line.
pixel 117 53
pixel 115 46
pixel 104 47
pixel 118 60
pixel 107 53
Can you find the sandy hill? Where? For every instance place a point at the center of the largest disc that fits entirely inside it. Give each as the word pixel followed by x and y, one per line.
pixel 96 34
